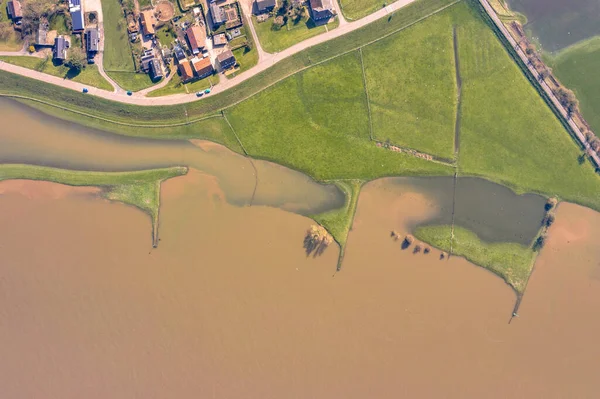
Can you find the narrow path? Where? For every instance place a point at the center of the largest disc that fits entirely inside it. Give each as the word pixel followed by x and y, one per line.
pixel 263 64
pixel 160 85
pixel 246 6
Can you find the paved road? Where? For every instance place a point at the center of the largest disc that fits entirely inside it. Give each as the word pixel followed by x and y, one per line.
pixel 226 84
pixel 492 13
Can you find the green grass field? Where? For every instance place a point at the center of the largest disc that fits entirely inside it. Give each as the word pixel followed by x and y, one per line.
pixel 356 9
pixel 58 22
pixel 513 262
pixel 325 136
pixel 131 80
pixel 577 68
pixel 273 41
pixel 140 188
pixel 508 132
pixel 412 87
pixel 246 58
pixel 88 76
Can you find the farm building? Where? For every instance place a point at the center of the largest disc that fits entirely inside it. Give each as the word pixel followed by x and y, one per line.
pixel 77 20
pixel 92 41
pixel 185 70
pixel 148 22
pixel 202 67
pixel 14 10
pixel 220 39
pixel 264 6
pixel 156 72
pixel 59 52
pixel 321 9
pixel 196 36
pixel 226 59
pixel 217 15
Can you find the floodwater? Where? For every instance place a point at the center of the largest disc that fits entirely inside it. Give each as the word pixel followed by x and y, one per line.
pixel 229 306
pixel 559 23
pixel 32 137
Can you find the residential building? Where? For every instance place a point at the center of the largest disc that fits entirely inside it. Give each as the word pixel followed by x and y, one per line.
pixel 156 72
pixel 264 6
pixel 217 15
pixel 148 22
pixel 185 70
pixel 196 36
pixel 14 10
pixel 59 52
pixel 322 9
pixel 179 53
pixel 146 59
pixel 92 41
pixel 202 67
pixel 226 59
pixel 220 39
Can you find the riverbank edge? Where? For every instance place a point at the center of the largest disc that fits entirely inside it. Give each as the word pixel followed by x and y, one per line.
pixel 140 189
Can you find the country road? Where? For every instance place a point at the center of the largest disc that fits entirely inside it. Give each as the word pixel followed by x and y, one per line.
pixel 267 60
pixel 580 136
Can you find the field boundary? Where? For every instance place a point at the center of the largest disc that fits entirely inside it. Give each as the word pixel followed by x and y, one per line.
pixel 364 76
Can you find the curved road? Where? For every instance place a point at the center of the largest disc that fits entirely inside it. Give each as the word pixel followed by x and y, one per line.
pixel 267 60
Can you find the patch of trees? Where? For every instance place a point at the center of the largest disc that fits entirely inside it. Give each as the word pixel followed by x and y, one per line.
pixel 76 59
pixel 293 11
pixel 567 99
pixel 33 11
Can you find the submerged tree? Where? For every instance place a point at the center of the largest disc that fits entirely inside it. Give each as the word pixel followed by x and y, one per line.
pixel 407 242
pixel 317 239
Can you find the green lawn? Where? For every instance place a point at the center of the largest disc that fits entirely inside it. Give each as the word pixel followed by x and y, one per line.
pixel 356 9
pixel 165 37
pixel 131 80
pixel 88 76
pixel 117 51
pixel 577 68
pixel 508 132
pixel 273 41
pixel 12 41
pixel 58 22
pixel 140 188
pixel 511 261
pixel 412 87
pixel 244 57
pixel 323 135
pixel 175 86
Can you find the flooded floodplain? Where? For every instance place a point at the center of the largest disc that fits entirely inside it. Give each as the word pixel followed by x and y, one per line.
pixel 557 24
pixel 230 306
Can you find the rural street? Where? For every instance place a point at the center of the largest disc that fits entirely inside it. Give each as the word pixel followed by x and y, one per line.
pixel 264 63
pixel 492 13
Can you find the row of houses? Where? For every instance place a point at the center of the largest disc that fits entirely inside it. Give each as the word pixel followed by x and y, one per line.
pixel 321 10
pixel 62 44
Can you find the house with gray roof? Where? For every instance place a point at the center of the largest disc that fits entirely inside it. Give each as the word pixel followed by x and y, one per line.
pixel 322 10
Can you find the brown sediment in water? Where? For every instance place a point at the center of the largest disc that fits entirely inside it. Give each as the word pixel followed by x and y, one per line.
pixel 33 189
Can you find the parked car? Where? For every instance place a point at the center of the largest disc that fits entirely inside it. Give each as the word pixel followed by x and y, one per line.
pixel 85 90
pixel 129 93
pixel 207 91
pixel 199 94
pixel 91 61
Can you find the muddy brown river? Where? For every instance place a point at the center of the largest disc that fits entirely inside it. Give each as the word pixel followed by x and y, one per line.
pixel 229 306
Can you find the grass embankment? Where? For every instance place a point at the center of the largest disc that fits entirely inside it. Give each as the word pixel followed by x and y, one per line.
pixel 339 221
pixel 118 58
pixel 140 188
pixel 508 133
pixel 511 261
pixel 356 9
pixel 11 40
pixel 412 87
pixel 577 68
pixel 291 33
pixel 88 76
